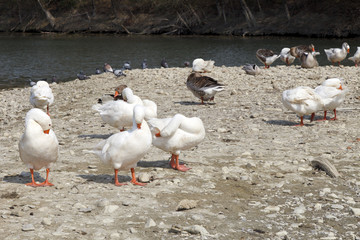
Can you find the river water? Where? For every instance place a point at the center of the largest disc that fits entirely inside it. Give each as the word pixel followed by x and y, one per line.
pixel 40 56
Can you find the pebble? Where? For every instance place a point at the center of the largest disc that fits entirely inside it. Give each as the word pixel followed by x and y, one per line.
pixel 186 204
pixel 272 209
pixel 46 221
pixel 355 211
pixel 144 177
pixel 300 210
pixel 110 208
pixel 197 229
pixel 28 227
pixel 150 223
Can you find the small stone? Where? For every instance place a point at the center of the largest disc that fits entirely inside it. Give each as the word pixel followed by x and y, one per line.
pixel 150 223
pixel 85 210
pixel 281 234
pixel 28 227
pixel 318 206
pixel 337 206
pixel 279 175
pixel 355 211
pixel 222 130
pixel 102 203
pixel 186 204
pixel 78 206
pixel 175 229
pixel 197 229
pixel 272 209
pixel 300 210
pixel 132 230
pixel 46 221
pixel 144 177
pixel 110 208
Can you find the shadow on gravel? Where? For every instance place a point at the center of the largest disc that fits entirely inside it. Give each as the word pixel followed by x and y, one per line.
pixel 105 178
pixel 158 163
pixel 23 178
pixel 100 136
pixel 194 103
pixel 286 123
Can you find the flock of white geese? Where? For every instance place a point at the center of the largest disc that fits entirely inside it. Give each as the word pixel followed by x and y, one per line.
pixel 38 146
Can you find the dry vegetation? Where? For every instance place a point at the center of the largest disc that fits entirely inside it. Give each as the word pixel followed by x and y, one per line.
pixel 281 17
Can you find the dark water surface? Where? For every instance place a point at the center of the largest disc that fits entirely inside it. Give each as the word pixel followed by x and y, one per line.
pixel 39 56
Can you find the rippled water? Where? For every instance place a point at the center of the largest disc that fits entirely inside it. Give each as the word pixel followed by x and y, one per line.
pixel 39 56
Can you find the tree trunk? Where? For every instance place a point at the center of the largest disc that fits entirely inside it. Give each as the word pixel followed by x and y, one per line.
pixel 49 16
pixel 93 8
pixel 248 14
pixel 287 10
pixel 18 4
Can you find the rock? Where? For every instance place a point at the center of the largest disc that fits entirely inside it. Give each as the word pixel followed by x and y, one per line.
pixel 28 227
pixel 175 229
pixel 46 221
pixel 272 209
pixel 102 203
pixel 144 177
pixel 110 208
pixel 355 211
pixel 197 229
pixel 150 223
pixel 300 210
pixel 186 204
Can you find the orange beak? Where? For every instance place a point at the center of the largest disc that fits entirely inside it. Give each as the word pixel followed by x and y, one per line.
pixel 157 134
pixel 348 50
pixel 116 94
pixel 47 131
pixel 313 49
pixel 138 125
pixel 340 87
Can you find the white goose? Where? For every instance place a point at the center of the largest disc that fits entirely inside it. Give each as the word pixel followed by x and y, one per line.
pixel 333 94
pixel 308 60
pixel 123 150
pixel 266 56
pixel 286 57
pixel 202 66
pixel 119 114
pixel 337 54
pixel 203 87
pixel 302 101
pixel 41 95
pixel 251 69
pixel 356 57
pixel 38 146
pixel 176 134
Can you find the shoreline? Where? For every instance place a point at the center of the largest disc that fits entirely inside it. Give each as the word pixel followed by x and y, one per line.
pixel 251 177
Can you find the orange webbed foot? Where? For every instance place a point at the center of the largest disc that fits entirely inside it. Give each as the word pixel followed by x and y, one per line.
pixel 182 168
pixel 137 183
pixel 33 184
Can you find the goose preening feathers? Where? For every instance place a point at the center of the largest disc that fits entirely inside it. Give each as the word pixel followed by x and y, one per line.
pixel 41 95
pixel 266 56
pixel 337 54
pixel 251 69
pixel 176 134
pixel 356 57
pixel 203 87
pixel 202 66
pixel 298 50
pixel 123 150
pixel 119 114
pixel 332 91
pixel 286 57
pixel 38 146
pixel 302 101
